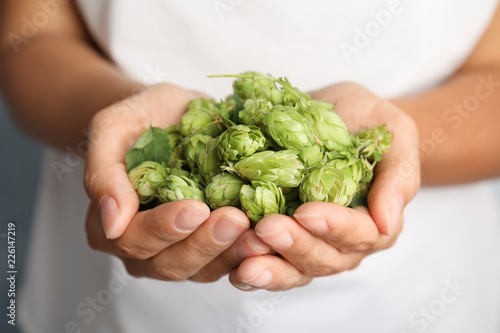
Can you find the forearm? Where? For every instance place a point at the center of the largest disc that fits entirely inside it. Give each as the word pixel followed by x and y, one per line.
pixel 458 125
pixel 55 85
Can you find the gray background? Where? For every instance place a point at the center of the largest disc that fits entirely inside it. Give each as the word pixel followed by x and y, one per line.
pixel 19 164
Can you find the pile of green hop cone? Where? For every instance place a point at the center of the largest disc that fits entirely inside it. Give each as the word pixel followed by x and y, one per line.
pixel 266 149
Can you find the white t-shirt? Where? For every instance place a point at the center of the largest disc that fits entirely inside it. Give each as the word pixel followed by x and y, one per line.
pixel 443 275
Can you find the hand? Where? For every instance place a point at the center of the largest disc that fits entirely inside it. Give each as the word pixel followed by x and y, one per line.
pixel 324 238
pixel 175 241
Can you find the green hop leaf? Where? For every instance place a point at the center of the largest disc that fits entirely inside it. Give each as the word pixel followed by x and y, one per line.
pixel 178 188
pixel 240 141
pixel 146 178
pixel 261 199
pixel 224 190
pixel 152 145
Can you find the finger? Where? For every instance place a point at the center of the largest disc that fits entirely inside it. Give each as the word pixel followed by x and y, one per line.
pixel 311 255
pixel 248 245
pixel 184 259
pixel 267 272
pixel 150 231
pixel 350 230
pixel 112 133
pixel 397 176
pixel 106 178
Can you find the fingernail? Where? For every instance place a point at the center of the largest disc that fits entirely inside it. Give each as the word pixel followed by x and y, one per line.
pixel 228 229
pixel 258 246
pixel 313 222
pixel 243 286
pixel 110 212
pixel 278 240
pixel 253 248
pixel 394 211
pixel 189 218
pixel 261 279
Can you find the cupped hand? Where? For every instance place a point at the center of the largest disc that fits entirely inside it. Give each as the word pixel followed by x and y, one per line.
pixel 325 238
pixel 175 241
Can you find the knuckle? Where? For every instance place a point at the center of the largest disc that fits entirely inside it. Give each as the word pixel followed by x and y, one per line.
pixel 364 246
pixel 201 249
pixel 368 245
pixel 91 179
pixel 318 266
pixel 319 271
pixel 129 252
pixel 160 232
pixel 162 272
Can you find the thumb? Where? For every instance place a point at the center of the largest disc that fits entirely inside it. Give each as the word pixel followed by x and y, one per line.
pixel 107 183
pixel 397 177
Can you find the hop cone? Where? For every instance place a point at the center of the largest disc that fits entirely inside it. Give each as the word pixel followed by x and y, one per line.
pixel 179 172
pixel 179 187
pixel 327 125
pixel 177 155
pixel 146 178
pixel 288 128
pixel 282 167
pixel 240 141
pixel 196 176
pixel 254 111
pixel 348 161
pixel 174 134
pixel 259 86
pixel 292 95
pixel 261 199
pixel 208 160
pixel 312 156
pixel 193 145
pixel 201 118
pixel 373 142
pixel 323 184
pixel 337 181
pixel 224 190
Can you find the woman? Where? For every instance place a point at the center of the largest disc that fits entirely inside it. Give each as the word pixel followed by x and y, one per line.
pixel 87 65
